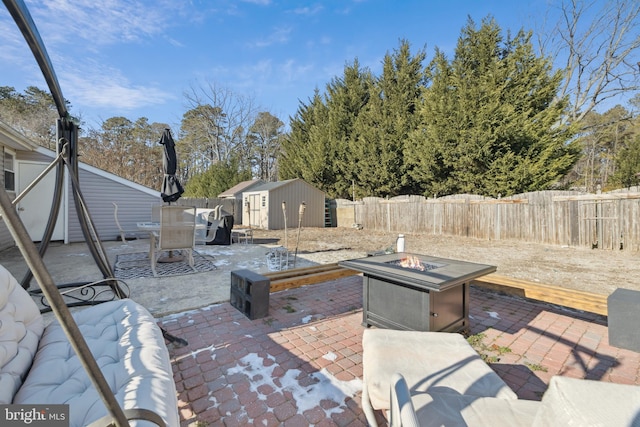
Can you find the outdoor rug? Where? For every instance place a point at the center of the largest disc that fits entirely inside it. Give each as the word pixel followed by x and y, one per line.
pixel 135 265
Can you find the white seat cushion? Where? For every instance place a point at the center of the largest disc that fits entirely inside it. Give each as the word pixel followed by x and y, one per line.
pixel 578 402
pixel 130 350
pixel 451 410
pixel 21 327
pixel 429 361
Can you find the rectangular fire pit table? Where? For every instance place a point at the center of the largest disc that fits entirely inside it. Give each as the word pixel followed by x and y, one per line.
pixel 416 292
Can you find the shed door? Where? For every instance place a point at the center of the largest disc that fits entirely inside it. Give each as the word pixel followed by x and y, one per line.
pixel 254 210
pixel 35 207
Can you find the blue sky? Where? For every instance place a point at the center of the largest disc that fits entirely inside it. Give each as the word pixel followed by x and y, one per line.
pixel 137 58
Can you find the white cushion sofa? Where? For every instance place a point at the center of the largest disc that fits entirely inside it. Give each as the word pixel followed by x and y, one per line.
pixel 39 366
pixel 437 379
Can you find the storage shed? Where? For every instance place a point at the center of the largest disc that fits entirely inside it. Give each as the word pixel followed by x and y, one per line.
pixel 235 193
pixel 263 205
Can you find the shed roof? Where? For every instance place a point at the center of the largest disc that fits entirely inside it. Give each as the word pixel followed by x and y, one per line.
pixel 268 186
pixel 239 188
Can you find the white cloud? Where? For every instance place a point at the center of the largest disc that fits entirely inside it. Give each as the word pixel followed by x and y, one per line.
pixel 278 36
pixel 74 32
pixel 308 10
pixel 258 2
pixel 292 70
pixel 101 22
pixel 102 87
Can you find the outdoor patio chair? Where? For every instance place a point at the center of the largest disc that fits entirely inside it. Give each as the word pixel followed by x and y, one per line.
pixel 155 213
pixel 243 235
pixel 125 234
pixel 428 362
pixel 177 233
pixel 211 222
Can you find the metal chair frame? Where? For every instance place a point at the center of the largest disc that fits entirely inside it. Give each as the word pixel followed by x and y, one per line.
pixel 177 232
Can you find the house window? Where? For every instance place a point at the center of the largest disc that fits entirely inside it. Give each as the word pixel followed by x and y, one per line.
pixel 264 201
pixel 9 172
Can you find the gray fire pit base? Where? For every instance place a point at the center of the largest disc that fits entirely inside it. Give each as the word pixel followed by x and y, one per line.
pixel 623 309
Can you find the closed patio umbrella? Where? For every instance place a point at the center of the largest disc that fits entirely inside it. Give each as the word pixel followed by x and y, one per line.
pixel 171 188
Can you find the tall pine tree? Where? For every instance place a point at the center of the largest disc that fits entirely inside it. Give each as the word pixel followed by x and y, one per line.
pixel 318 148
pixel 384 125
pixel 346 99
pixel 306 150
pixel 490 120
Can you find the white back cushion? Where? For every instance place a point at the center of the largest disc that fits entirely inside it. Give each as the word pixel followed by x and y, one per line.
pixel 21 327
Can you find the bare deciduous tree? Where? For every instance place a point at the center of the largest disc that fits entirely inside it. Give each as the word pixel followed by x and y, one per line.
pixel 266 136
pixel 216 125
pixel 31 113
pixel 599 47
pixel 127 149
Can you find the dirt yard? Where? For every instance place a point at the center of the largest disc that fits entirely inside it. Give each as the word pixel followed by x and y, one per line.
pixel 598 271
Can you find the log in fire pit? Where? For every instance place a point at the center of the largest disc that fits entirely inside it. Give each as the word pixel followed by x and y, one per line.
pixel 416 292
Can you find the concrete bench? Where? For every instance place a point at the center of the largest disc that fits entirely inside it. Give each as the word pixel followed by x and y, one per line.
pixel 38 365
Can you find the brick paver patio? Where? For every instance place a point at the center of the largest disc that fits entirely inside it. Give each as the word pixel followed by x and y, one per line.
pixel 302 365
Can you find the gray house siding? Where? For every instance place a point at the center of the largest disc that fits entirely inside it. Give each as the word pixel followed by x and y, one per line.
pixel 34 156
pixel 100 189
pixel 6 240
pixel 99 192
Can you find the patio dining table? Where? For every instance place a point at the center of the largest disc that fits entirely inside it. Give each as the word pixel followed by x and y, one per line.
pixel 153 228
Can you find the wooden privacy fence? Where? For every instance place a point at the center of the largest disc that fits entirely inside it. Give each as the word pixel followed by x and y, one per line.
pixel 603 221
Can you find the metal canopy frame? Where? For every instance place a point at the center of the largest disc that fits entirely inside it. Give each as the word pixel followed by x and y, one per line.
pixel 67 156
pixel 67 138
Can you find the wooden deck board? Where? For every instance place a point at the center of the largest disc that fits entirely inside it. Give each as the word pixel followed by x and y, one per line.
pixel 579 300
pixel 576 299
pixel 298 277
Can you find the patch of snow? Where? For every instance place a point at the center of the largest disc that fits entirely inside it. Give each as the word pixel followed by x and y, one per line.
pixel 210 348
pixel 174 316
pixel 327 386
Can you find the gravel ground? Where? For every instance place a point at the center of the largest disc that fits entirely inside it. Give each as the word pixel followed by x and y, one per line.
pixel 598 271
